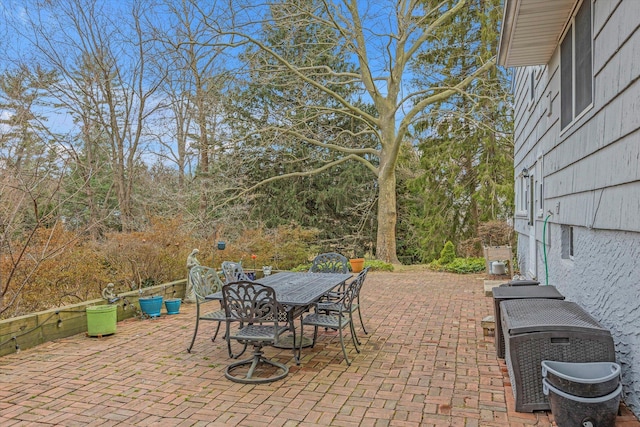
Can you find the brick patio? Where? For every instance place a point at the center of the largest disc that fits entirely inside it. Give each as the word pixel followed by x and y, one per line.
pixel 425 362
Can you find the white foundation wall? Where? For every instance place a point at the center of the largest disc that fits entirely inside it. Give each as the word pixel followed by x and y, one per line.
pixel 603 277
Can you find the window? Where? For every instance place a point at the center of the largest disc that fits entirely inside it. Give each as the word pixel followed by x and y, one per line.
pixel 532 85
pixel 540 197
pixel 566 237
pixel 532 88
pixel 576 76
pixel 521 197
pixel 522 193
pixel 540 187
pixel 532 199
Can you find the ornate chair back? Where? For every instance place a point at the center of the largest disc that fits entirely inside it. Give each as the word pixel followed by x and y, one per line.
pixel 330 262
pixel 233 272
pixel 351 293
pixel 251 303
pixel 205 281
pixel 255 306
pixel 359 280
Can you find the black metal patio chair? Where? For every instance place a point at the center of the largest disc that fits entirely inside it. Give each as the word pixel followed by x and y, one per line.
pixel 330 262
pixel 338 320
pixel 256 307
pixel 205 281
pixel 233 272
pixel 338 306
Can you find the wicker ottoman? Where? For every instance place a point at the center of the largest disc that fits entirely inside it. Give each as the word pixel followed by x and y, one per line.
pixel 504 293
pixel 547 329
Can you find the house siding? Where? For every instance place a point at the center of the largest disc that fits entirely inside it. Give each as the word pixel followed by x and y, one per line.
pixel 591 177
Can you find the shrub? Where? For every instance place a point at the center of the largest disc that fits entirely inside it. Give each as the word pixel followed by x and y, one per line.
pixel 145 258
pixel 460 265
pixel 283 248
pixel 62 266
pixel 301 268
pixel 496 233
pixel 377 265
pixel 447 254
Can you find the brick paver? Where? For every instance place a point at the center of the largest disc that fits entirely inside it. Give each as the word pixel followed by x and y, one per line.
pixel 425 362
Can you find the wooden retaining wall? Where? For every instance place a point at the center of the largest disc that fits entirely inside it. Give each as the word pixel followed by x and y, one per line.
pixel 19 333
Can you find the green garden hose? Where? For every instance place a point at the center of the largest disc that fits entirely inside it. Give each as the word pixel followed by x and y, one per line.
pixel 544 249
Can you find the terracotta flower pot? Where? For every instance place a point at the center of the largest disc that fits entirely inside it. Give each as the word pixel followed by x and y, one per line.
pixel 357 264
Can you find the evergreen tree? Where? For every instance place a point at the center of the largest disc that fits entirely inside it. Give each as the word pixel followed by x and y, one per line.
pixel 379 41
pixel 465 142
pixel 29 160
pixel 337 201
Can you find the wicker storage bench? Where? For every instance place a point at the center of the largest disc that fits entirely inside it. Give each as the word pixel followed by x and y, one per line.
pixel 548 329
pixel 503 293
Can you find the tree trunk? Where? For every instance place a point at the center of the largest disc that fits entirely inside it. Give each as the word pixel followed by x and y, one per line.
pixel 93 222
pixel 387 213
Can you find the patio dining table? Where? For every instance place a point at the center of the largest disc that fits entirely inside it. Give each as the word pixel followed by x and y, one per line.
pixel 297 291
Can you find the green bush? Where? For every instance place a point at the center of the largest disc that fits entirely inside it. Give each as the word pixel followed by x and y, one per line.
pixel 377 265
pixel 301 267
pixel 447 254
pixel 460 265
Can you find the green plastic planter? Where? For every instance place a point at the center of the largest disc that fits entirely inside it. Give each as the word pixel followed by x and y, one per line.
pixel 102 320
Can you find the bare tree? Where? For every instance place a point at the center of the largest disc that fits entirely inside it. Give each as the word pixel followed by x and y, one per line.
pixel 30 183
pixel 381 39
pixel 199 77
pixel 102 53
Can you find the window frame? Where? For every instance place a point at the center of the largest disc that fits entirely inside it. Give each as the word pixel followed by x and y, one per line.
pixel 522 192
pixel 532 199
pixel 539 186
pixel 567 250
pixel 532 89
pixel 570 31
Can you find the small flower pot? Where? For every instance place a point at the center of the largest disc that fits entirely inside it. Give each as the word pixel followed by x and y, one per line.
pixel 357 264
pixel 151 306
pixel 172 305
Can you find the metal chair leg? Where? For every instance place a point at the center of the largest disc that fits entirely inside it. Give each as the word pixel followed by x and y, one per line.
pixel 213 339
pixel 226 337
pixel 195 332
pixel 361 322
pixel 344 350
pixel 354 337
